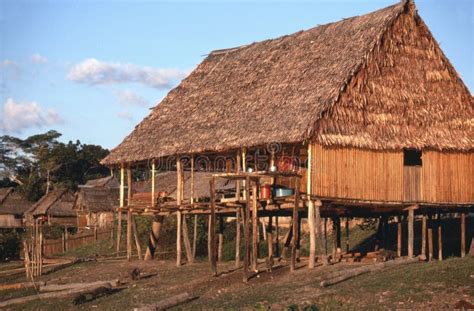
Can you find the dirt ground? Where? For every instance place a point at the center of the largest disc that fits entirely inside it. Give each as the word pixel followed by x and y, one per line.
pixel 433 285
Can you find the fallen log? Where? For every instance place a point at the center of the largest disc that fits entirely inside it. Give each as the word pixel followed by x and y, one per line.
pixel 60 287
pixel 339 276
pixel 168 303
pixel 93 294
pixel 60 294
pixel 20 285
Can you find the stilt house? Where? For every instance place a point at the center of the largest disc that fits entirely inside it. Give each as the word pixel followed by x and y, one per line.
pixel 12 208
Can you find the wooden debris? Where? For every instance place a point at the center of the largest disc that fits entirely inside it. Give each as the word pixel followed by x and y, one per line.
pixel 62 287
pixel 168 303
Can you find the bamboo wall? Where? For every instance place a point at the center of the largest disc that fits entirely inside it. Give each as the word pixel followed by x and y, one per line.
pixel 357 174
pixel 448 177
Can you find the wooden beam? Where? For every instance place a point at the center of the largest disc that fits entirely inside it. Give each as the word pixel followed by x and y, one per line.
pixel 195 236
pixel 423 237
pixel 129 214
pixel 463 234
pixel 319 233
pixel 237 238
pixel 192 179
pixel 440 238
pixel 137 241
pixel 295 225
pixel 119 224
pixel 244 169
pixel 179 216
pixel 411 235
pixel 430 238
pixel 237 170
pixel 277 237
pixel 399 236
pixel 347 235
pixel 254 227
pixel 311 225
pixel 153 172
pixel 212 184
pixel 246 231
pixel 270 237
pixel 187 243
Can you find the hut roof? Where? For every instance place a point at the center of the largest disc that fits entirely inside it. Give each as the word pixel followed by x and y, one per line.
pixel 109 182
pixel 11 202
pixel 56 203
pixel 98 195
pixel 280 90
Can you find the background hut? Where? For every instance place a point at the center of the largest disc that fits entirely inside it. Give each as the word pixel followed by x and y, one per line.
pixel 95 202
pixel 55 207
pixel 12 208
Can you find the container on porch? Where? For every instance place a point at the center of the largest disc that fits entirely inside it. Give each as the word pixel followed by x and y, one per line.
pixel 265 192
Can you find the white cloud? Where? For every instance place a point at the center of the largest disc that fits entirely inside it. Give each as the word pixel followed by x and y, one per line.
pixel 127 97
pixel 126 115
pixel 38 59
pixel 8 63
pixel 94 72
pixel 18 116
pixel 11 68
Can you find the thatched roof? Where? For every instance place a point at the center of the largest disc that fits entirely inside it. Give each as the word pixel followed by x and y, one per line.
pixel 98 195
pixel 288 90
pixel 56 203
pixel 11 202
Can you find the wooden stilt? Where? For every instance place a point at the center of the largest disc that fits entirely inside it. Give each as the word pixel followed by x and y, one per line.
pixel 319 232
pixel 325 238
pixel 277 237
pixel 423 237
pixel 237 181
pixel 119 224
pixel 312 235
pixel 254 227
pixel 347 235
pixel 187 243
pixel 195 227
pixel 220 239
pixel 179 216
pixel 295 226
pixel 209 250
pixel 399 236
pixel 430 238
pixel 153 173
pixel 129 214
pixel 154 236
pixel 270 237
pixel 246 231
pixel 137 241
pixel 213 231
pixel 411 235
pixel 440 238
pixel 463 234
pixel 237 238
pixel 298 240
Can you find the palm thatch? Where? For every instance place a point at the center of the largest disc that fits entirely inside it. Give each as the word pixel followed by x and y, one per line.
pixel 376 81
pixel 98 195
pixel 12 203
pixel 56 203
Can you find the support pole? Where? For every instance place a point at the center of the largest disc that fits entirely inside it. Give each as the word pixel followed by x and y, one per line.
pixel 270 237
pixel 212 227
pixel 237 238
pixel 154 236
pixel 311 225
pixel 237 181
pixel 119 224
pixel 319 233
pixel 423 237
pixel 463 234
pixel 195 236
pixel 254 227
pixel 430 238
pixel 246 231
pixel 244 169
pixel 220 239
pixel 440 238
pixel 411 235
pixel 347 235
pixel 277 237
pixel 209 251
pixel 187 243
pixel 129 214
pixel 295 225
pixel 137 241
pixel 399 236
pixel 153 172
pixel 179 216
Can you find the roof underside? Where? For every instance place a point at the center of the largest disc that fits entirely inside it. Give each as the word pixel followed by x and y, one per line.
pixel 271 91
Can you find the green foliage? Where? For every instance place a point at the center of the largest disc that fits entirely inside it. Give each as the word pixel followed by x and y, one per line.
pixel 10 244
pixel 40 162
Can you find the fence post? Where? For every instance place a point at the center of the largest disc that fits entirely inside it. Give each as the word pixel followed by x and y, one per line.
pixel 63 244
pixel 95 232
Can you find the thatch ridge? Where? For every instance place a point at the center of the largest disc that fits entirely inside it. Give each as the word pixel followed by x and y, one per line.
pixel 58 202
pixel 278 90
pixel 12 202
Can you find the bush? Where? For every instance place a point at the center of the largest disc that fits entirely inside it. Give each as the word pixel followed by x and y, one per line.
pixel 10 244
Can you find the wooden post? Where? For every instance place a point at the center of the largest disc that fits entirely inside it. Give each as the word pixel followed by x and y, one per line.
pixel 213 231
pixel 430 238
pixel 154 236
pixel 277 237
pixel 311 225
pixel 411 235
pixel 319 233
pixel 246 231
pixel 209 251
pixel 192 180
pixel 137 241
pixel 179 216
pixel 295 225
pixel 244 169
pixel 129 213
pixel 220 238
pixel 195 236
pixel 66 238
pixel 440 238
pixel 347 235
pixel 270 237
pixel 119 224
pixel 463 234
pixel 153 173
pixel 95 231
pixel 187 243
pixel 62 244
pixel 254 227
pixel 237 238
pixel 423 237
pixel 399 236
pixel 237 181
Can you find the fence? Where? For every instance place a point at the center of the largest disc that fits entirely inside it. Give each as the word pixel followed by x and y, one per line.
pixel 68 242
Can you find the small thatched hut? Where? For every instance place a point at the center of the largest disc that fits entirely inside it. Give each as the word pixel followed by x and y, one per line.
pixel 12 207
pixel 55 207
pixel 368 110
pixel 95 202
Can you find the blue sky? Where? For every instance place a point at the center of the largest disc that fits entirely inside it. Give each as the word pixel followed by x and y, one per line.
pixel 92 69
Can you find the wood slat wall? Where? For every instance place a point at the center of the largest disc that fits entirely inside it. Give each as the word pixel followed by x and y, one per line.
pixel 412 183
pixel 357 174
pixel 448 177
